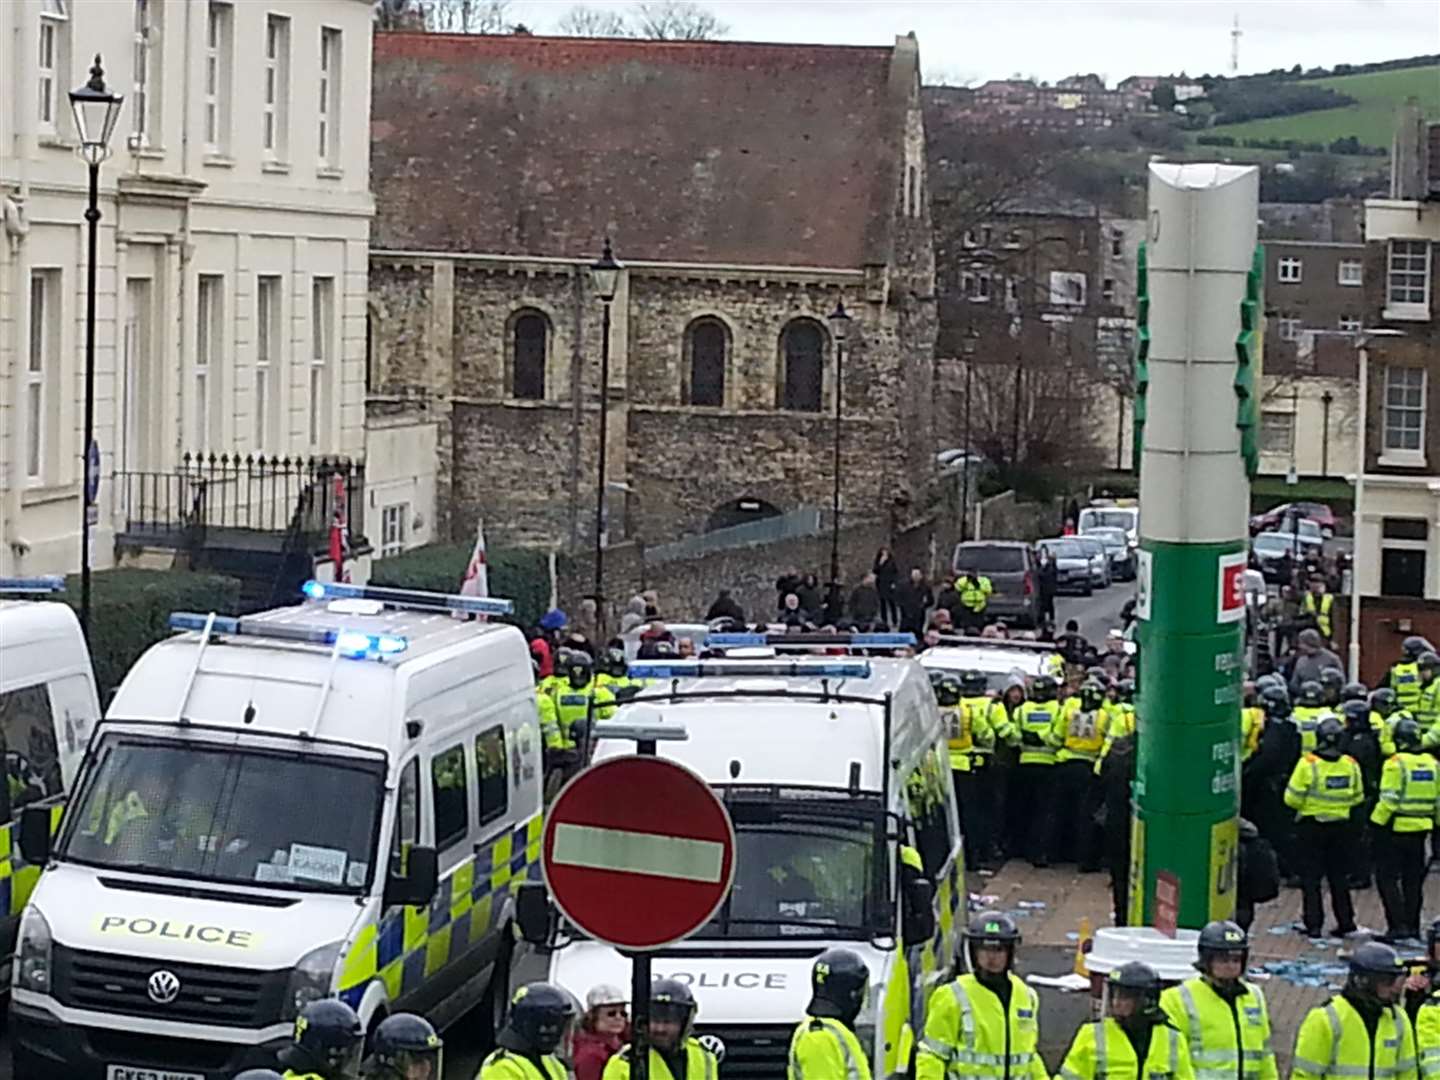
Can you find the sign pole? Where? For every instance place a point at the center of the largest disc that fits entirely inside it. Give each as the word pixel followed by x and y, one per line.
pixel 640 979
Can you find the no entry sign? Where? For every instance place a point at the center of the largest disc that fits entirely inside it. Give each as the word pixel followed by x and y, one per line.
pixel 638 852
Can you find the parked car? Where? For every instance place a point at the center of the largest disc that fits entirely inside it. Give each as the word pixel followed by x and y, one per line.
pixel 1269 549
pixel 1072 565
pixel 1010 566
pixel 1117 546
pixel 1099 560
pixel 1109 516
pixel 1276 518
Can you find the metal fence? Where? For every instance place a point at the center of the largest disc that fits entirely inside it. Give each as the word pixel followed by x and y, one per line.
pixel 806 521
pixel 249 492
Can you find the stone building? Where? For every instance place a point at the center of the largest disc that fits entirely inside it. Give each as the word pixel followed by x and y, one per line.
pixel 747 189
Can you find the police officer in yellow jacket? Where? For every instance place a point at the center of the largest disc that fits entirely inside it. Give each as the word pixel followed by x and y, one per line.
pixel 985 1024
pixel 329 1042
pixel 1036 719
pixel 1252 722
pixel 1404 675
pixel 1423 1006
pixel 674 1055
pixel 405 1047
pixel 1135 1041
pixel 974 590
pixel 1427 705
pixel 540 1017
pixel 1322 789
pixel 824 1046
pixel 1403 818
pixel 1310 709
pixel 967 725
pixel 1225 1019
pixel 1080 731
pixel 1361 1031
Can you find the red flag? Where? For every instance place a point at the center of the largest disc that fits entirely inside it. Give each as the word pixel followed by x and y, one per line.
pixel 339 532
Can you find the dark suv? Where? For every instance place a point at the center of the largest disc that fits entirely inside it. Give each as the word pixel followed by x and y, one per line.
pixel 1010 566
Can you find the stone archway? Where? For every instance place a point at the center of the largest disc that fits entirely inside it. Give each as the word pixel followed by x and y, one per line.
pixel 740 512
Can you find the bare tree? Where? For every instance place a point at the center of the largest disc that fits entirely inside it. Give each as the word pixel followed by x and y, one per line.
pixel 398 15
pixel 677 20
pixel 466 16
pixel 582 21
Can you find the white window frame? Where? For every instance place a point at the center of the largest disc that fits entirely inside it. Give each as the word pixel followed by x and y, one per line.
pixel 971 239
pixel 275 89
pixel 322 356
pixel 269 358
pixel 1277 422
pixel 1390 453
pixel 1107 290
pixel 41 373
pixel 394 529
pixel 332 60
pixel 1349 324
pixel 1287 327
pixel 1406 307
pixel 1064 287
pixel 52 50
pixel 1350 273
pixel 207 432
pixel 145 107
pixel 219 53
pixel 1289 270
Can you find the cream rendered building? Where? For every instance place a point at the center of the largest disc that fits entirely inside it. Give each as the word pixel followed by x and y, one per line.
pixel 232 256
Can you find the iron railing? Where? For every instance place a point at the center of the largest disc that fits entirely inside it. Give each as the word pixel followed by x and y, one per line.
pixel 806 521
pixel 252 492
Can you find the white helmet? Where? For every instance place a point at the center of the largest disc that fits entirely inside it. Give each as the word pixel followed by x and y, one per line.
pixel 605 994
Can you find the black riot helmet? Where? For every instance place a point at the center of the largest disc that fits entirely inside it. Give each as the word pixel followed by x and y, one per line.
pixel 1354 691
pixel 1376 971
pixel 1414 645
pixel 1139 982
pixel 1270 678
pixel 1275 700
pixel 1357 716
pixel 1092 695
pixel 1407 735
pixel 612 663
pixel 1125 690
pixel 973 683
pixel 936 676
pixel 1429 661
pixel 1332 681
pixel 671 1000
pixel 539 1016
pixel 1222 938
pixel 400 1044
pixel 1328 734
pixel 1383 701
pixel 839 981
pixel 947 691
pixel 1312 694
pixel 579 669
pixel 329 1041
pixel 991 929
pixel 1043 688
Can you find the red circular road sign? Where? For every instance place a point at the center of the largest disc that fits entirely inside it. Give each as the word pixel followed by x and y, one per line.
pixel 638 852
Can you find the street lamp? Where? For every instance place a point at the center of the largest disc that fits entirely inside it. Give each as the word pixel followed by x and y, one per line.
pixel 839 327
pixel 605 275
pixel 96 111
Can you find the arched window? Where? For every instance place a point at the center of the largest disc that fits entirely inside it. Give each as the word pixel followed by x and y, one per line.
pixel 530 341
pixel 706 345
pixel 802 348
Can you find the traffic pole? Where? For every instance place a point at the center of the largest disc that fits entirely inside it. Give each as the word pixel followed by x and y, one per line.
pixel 1201 316
pixel 640 979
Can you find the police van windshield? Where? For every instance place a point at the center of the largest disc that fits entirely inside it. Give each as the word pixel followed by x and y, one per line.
pixel 803 874
pixel 228 814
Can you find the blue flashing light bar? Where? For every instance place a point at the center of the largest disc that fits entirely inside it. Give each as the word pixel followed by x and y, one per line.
pixel 417 599
pixel 821 640
pixel 48 583
pixel 792 669
pixel 354 644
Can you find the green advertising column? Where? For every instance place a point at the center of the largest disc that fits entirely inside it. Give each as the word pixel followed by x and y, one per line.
pixel 1198 366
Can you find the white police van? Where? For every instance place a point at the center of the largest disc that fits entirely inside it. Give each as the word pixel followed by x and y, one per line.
pixel 336 799
pixel 828 765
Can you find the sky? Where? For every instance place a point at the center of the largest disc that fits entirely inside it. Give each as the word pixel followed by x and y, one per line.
pixel 966 41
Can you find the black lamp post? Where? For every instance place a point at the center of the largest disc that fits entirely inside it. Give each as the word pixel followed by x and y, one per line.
pixel 839 326
pixel 96 111
pixel 1326 400
pixel 605 274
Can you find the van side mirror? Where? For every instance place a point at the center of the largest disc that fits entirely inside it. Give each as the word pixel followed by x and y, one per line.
pixel 421 879
pixel 917 911
pixel 533 912
pixel 35 835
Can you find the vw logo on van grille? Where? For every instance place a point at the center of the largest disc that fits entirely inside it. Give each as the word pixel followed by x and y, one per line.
pixel 714 1044
pixel 163 987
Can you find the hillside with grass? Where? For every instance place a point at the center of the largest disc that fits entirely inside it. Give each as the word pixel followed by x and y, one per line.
pixel 1370 119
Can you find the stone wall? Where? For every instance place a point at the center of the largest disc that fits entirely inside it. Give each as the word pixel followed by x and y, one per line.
pixel 1004 517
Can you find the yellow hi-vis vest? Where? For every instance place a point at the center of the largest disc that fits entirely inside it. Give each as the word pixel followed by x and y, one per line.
pixel 1427 1037
pixel 1408 791
pixel 974 592
pixel 1226 1041
pixel 572 706
pixel 507 1065
pixel 1252 725
pixel 1103 1050
pixel 967 726
pixel 968 1033
pixel 1081 733
pixel 1038 719
pixel 1307 719
pixel 1405 681
pixel 1321 611
pixel 1333 1042
pixel 1324 790
pixel 823 1048
pixel 700 1064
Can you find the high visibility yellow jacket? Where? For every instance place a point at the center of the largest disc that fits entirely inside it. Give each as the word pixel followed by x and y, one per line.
pixel 1426 711
pixel 1227 1040
pixel 700 1064
pixel 1037 718
pixel 969 1034
pixel 1405 681
pixel 1334 1042
pixel 507 1065
pixel 968 729
pixel 1307 719
pixel 974 592
pixel 1427 1037
pixel 1120 724
pixel 1324 790
pixel 1079 732
pixel 549 722
pixel 1408 791
pixel 1103 1050
pixel 1005 728
pixel 823 1048
pixel 1252 726
pixel 1320 610
pixel 572 706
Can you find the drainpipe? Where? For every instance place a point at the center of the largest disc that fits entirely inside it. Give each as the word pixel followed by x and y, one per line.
pixel 17 225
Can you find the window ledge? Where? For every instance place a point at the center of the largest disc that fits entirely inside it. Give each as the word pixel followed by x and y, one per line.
pixel 330 172
pixel 48 493
pixel 219 161
pixel 56 142
pixel 148 153
pixel 1406 312
pixel 277 167
pixel 1402 459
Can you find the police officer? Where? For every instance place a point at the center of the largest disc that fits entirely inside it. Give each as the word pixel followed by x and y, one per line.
pixel 1404 674
pixel 1385 713
pixel 1319 604
pixel 405 1047
pixel 1225 1019
pixel 1403 818
pixel 1036 774
pixel 824 1046
pixel 965 712
pixel 1309 708
pixel 1427 706
pixel 329 1040
pixel 1362 742
pixel 986 1023
pixel 1121 720
pixel 540 1015
pixel 1252 722
pixel 974 591
pixel 1322 790
pixel 1264 775
pixel 1080 731
pixel 1361 1031
pixel 1332 682
pixel 1134 1041
pixel 1422 989
pixel 615 674
pixel 674 1055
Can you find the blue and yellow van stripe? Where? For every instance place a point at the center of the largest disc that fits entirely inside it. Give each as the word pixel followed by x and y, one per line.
pixel 17 877
pixel 412 944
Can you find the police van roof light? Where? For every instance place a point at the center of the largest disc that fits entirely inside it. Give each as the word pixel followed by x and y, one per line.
pixel 704 669
pixel 417 599
pixel 352 644
pixel 47 583
pixel 854 641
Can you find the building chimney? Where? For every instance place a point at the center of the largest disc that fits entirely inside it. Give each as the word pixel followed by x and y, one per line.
pixel 1407 155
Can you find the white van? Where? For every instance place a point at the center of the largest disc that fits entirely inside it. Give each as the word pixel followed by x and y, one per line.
pixel 1111 516
pixel 827 765
pixel 48 709
pixel 337 799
